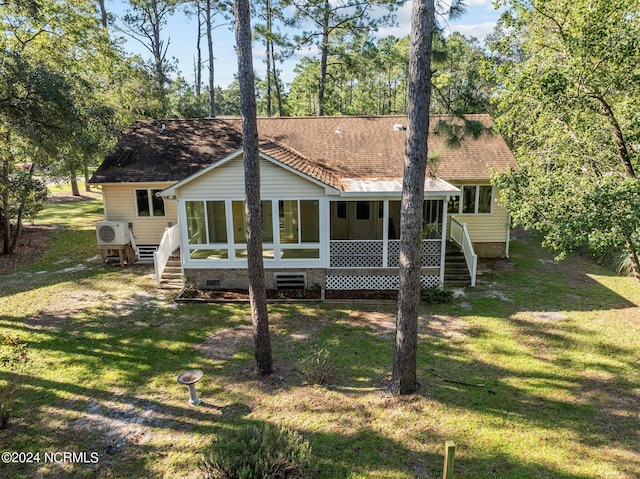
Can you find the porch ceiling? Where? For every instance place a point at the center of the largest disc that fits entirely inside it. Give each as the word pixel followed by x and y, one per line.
pixel 432 186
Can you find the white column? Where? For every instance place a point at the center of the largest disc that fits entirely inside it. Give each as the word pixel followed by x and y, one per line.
pixel 443 245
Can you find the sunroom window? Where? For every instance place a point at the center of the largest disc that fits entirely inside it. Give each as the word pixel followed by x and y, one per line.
pixel 299 222
pixel 206 222
pixel 240 226
pixel 217 229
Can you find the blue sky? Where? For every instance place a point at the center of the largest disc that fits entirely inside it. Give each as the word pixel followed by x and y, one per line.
pixel 181 31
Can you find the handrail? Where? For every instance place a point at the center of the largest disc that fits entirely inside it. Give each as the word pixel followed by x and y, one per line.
pixel 460 234
pixel 134 246
pixel 168 244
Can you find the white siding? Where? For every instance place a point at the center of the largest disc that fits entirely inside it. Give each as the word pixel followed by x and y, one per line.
pixel 120 205
pixel 227 181
pixel 487 228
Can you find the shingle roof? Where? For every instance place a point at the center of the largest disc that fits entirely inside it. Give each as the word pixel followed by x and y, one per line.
pixel 329 149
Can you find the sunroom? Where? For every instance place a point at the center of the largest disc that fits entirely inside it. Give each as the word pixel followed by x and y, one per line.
pixel 359 233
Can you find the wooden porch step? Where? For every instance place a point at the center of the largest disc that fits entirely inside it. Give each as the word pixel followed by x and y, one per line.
pixel 172 275
pixel 456 272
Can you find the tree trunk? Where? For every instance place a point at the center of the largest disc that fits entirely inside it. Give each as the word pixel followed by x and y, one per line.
pixel 198 65
pixel 4 197
pixel 212 94
pixel 18 232
pixel 85 171
pixel 324 55
pixel 276 81
pixel 75 191
pixel 257 293
pixel 618 136
pixel 6 224
pixel 268 42
pixel 403 379
pixel 103 13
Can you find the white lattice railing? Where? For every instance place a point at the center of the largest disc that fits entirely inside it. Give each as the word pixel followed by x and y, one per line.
pixel 460 235
pixel 371 253
pixel 169 243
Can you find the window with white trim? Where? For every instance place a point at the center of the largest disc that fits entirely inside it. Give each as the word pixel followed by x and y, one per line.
pixel 216 230
pixel 299 222
pixel 476 199
pixel 148 204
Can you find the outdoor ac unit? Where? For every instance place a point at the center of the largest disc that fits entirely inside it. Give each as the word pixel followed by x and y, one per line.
pixel 112 233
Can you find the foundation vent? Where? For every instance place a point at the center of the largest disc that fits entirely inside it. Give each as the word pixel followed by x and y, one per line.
pixel 290 280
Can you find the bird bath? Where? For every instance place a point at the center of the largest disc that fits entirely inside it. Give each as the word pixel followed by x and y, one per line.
pixel 190 378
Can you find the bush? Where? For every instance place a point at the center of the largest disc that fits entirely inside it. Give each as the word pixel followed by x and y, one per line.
pixel 255 451
pixel 316 367
pixel 435 294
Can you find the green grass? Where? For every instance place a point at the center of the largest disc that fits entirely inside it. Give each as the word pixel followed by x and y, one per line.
pixel 555 346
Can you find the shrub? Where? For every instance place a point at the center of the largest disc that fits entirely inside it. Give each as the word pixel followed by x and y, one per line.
pixel 316 367
pixel 435 294
pixel 252 451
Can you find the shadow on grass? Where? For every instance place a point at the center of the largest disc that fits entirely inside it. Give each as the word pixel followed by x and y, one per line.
pixel 125 363
pixel 107 379
pixel 592 401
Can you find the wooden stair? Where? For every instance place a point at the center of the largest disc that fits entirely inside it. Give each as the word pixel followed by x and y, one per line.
pixel 456 272
pixel 172 275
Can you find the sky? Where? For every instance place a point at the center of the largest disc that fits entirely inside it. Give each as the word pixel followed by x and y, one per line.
pixel 181 31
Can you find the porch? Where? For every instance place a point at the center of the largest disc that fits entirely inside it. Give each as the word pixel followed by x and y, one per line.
pixel 355 244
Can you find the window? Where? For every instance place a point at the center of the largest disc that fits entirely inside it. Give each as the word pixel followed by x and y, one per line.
pixel 216 222
pixel 206 222
pixel 239 223
pixel 475 199
pixel 484 199
pixel 299 221
pixel 453 206
pixel 216 229
pixel 148 204
pixel 196 222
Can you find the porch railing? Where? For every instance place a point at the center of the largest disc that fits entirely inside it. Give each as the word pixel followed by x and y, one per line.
pixel 169 243
pixel 373 254
pixel 460 235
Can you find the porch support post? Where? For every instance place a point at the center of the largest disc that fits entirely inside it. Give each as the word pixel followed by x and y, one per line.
pixel 385 233
pixel 443 245
pixel 185 254
pixel 325 231
pixel 231 239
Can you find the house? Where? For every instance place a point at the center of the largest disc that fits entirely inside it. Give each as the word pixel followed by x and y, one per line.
pixel 330 192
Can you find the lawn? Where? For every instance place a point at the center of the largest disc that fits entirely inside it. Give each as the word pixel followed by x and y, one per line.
pixel 533 373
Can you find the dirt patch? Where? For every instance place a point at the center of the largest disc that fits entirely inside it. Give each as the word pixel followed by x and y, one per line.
pixel 443 326
pixel 384 324
pixel 32 243
pixel 224 343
